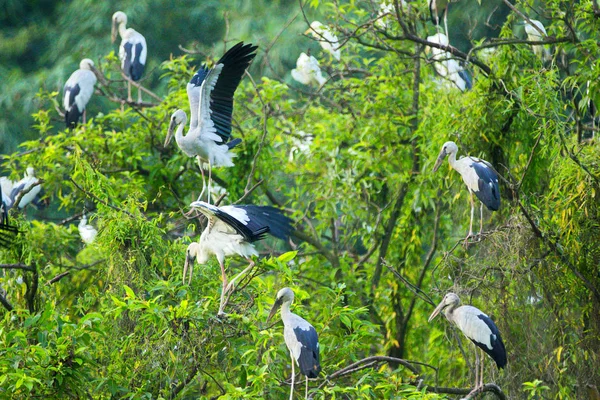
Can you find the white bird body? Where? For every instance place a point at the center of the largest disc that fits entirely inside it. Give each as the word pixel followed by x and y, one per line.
pixel 78 90
pixel 447 67
pixel 300 338
pixel 327 39
pixel 307 71
pixel 133 49
pixel 87 232
pixel 6 187
pixel 534 34
pixel 28 180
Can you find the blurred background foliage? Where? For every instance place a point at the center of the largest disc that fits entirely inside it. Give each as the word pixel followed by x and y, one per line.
pixel 379 237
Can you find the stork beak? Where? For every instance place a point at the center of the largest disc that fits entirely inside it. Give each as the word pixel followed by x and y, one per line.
pixel 113 32
pixel 170 132
pixel 437 310
pixel 439 160
pixel 196 204
pixel 274 309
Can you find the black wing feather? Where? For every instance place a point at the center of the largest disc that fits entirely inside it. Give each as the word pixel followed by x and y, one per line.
pixel 308 361
pixel 498 352
pixel 235 62
pixel 72 113
pixel 489 191
pixel 273 218
pixel 7 231
pixel 137 68
pixel 126 63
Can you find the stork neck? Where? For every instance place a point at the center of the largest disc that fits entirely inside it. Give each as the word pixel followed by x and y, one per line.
pixel 122 30
pixel 452 159
pixel 285 310
pixel 179 132
pixel 449 311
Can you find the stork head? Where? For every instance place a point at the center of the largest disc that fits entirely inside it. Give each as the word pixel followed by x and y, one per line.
pixel 86 63
pixel 118 18
pixel 284 295
pixel 178 118
pixel 447 148
pixel 532 32
pixel 29 172
pixel 449 299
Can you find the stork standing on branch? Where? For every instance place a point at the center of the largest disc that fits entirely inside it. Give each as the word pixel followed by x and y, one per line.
pixel 479 176
pixel 132 51
pixel 78 91
pixel 25 185
pixel 538 33
pixel 210 93
pixel 233 230
pixel 477 327
pixel 300 338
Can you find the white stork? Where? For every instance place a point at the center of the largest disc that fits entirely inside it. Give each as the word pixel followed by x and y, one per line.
pixel 87 232
pixel 210 93
pixel 25 184
pixel 232 230
pixel 446 66
pixel 476 326
pixel 308 71
pixel 300 338
pixel 78 91
pixel 326 38
pixel 478 175
pixel 132 51
pixel 537 35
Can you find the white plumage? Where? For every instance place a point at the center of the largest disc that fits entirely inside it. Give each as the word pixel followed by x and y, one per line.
pixel 447 67
pixel 300 338
pixel 308 71
pixel 132 51
pixel 478 175
pixel 326 38
pixel 28 180
pixel 534 35
pixel 87 232
pixel 77 92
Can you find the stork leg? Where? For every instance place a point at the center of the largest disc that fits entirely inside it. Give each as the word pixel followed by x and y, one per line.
pixel 446 21
pixel 306 391
pixel 203 178
pixel 481 373
pixel 231 285
pixel 129 91
pixel 293 377
pixel 471 223
pixel 84 116
pixel 139 94
pixel 480 219
pixel 209 181
pixel 222 304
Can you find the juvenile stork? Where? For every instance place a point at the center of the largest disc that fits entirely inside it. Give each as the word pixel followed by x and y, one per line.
pixel 132 51
pixel 478 175
pixel 537 33
pixel 78 91
pixel 300 338
pixel 477 327
pixel 25 185
pixel 210 93
pixel 232 230
pixel 326 38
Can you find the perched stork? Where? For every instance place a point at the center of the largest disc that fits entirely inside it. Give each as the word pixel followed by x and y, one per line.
pixel 132 51
pixel 232 230
pixel 78 91
pixel 537 34
pixel 25 185
pixel 476 326
pixel 300 338
pixel 328 40
pixel 210 93
pixel 87 232
pixel 447 67
pixel 478 175
pixel 307 71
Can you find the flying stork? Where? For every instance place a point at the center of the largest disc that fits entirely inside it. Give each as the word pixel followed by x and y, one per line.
pixel 479 176
pixel 26 184
pixel 78 91
pixel 307 71
pixel 477 327
pixel 536 34
pixel 132 51
pixel 210 93
pixel 300 338
pixel 232 230
pixel 326 38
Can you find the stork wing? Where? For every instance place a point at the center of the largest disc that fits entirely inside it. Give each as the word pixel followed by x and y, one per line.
pixel 216 92
pixel 256 218
pixel 232 223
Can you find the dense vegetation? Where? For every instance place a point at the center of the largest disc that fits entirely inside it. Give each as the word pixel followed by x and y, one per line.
pixel 379 237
